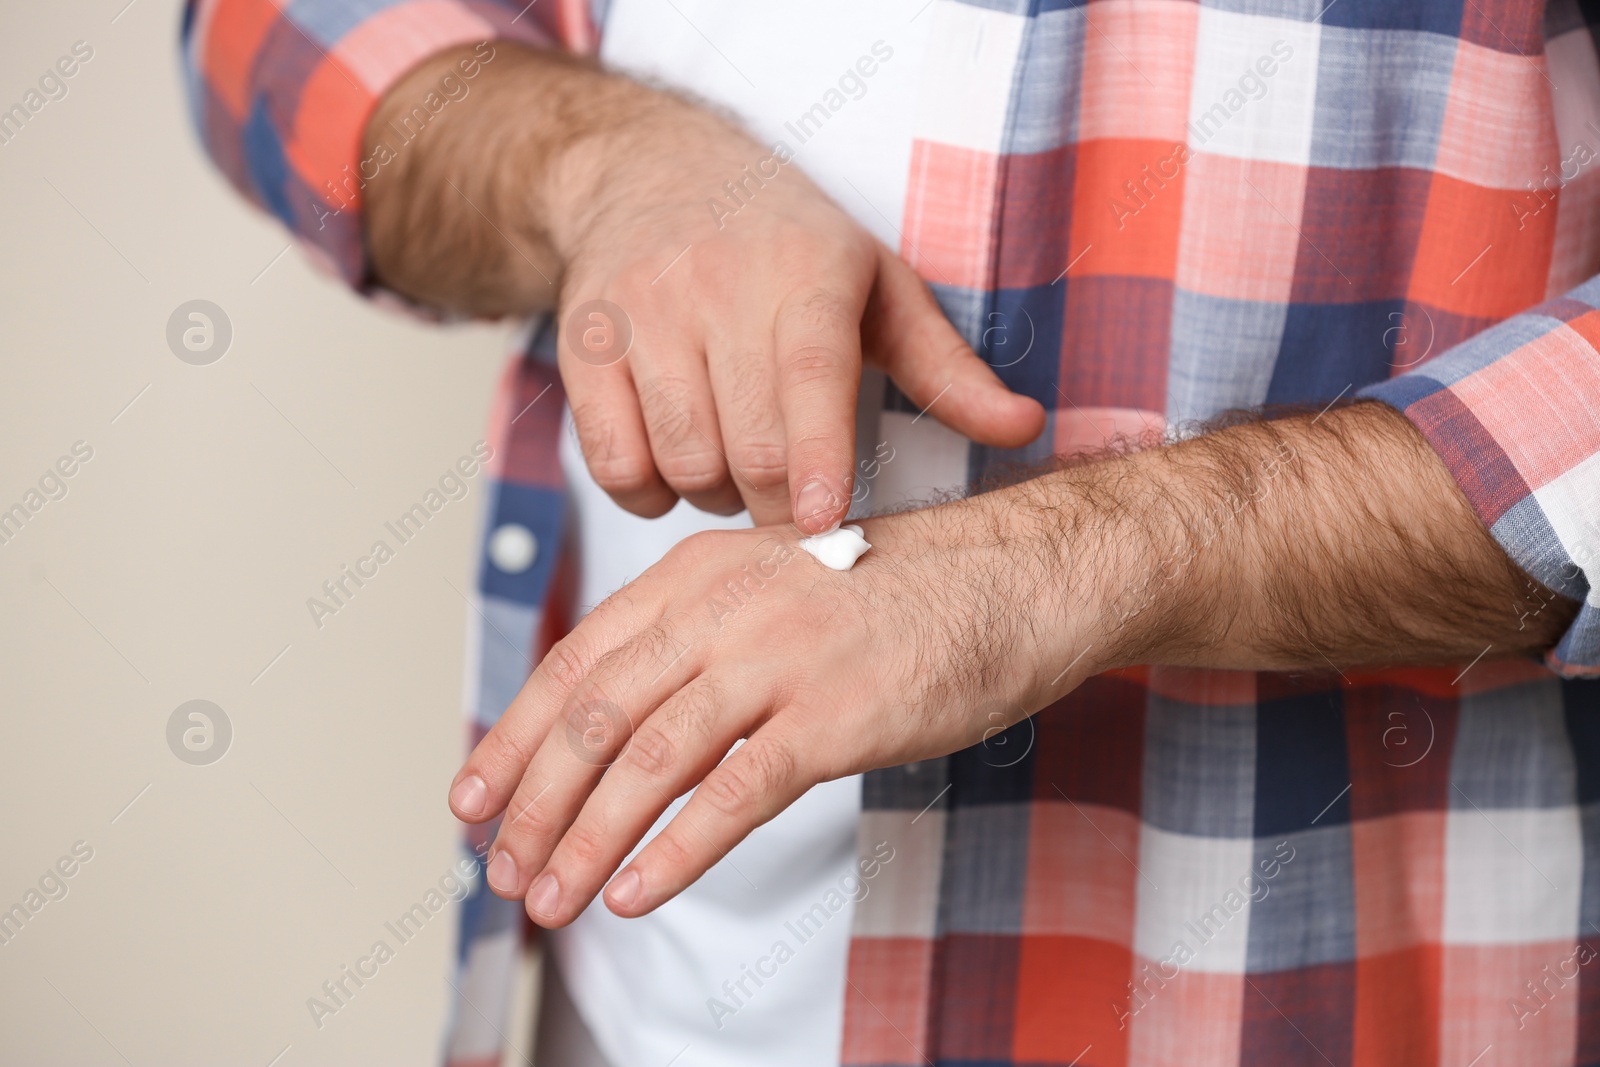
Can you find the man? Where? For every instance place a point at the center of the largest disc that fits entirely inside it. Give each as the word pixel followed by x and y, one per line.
pixel 1298 790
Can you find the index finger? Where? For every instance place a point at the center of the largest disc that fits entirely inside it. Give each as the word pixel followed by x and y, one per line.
pixel 817 337
pixel 487 780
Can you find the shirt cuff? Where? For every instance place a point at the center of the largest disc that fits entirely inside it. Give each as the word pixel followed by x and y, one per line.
pixel 281 95
pixel 1515 415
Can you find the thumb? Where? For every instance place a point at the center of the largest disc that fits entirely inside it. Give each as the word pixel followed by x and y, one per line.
pixel 908 336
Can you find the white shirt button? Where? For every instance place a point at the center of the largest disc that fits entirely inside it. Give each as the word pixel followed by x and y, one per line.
pixel 513 548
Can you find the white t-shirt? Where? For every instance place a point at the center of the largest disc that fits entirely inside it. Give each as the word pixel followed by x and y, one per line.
pixel 646 987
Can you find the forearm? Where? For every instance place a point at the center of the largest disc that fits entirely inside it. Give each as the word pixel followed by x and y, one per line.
pixel 478 213
pixel 1297 544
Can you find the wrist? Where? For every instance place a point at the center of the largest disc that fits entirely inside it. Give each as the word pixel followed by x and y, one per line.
pixel 1089 531
pixel 1048 582
pixel 1141 556
pixel 1168 555
pixel 580 169
pixel 623 148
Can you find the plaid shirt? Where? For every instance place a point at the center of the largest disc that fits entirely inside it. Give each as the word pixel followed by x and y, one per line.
pixel 1183 207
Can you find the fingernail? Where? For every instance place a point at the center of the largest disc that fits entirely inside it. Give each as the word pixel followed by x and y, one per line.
pixel 543 895
pixel 814 507
pixel 468 795
pixel 625 888
pixel 502 872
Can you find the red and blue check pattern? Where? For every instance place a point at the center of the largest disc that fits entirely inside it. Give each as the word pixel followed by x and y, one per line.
pixel 1172 208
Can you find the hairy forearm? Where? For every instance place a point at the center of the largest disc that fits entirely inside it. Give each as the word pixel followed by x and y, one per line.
pixel 478 212
pixel 1303 543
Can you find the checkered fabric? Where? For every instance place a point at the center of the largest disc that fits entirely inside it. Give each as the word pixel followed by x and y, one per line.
pixel 1144 212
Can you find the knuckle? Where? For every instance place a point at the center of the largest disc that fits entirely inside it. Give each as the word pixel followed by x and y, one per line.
pixel 834 248
pixel 622 473
pixel 669 850
pixel 701 545
pixel 652 752
pixel 810 363
pixel 762 464
pixel 818 310
pixel 693 470
pixel 615 468
pixel 739 785
pixel 821 304
pixel 719 265
pixel 774 764
pixel 652 646
pixel 692 717
pixel 592 420
pixel 585 842
pixel 666 401
pixel 674 428
pixel 729 789
pixel 595 692
pixel 597 729
pixel 819 443
pixel 525 821
pixel 748 380
pixel 617 603
pixel 564 665
pixel 632 276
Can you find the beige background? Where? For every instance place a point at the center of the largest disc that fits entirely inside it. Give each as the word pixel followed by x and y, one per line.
pixel 178 566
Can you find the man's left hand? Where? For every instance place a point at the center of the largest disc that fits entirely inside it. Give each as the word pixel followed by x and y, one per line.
pixel 915 652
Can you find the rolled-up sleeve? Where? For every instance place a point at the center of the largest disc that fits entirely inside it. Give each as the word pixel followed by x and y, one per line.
pixel 281 93
pixel 1515 415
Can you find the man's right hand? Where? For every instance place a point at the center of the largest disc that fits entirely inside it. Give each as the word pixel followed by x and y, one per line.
pixel 713 358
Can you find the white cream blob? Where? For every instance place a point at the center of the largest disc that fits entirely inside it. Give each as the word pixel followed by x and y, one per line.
pixel 839 548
